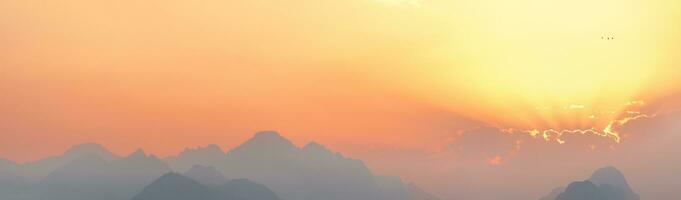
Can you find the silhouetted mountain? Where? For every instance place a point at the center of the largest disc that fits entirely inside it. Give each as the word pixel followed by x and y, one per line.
pixel 173 186
pixel 581 190
pixel 88 149
pixel 605 184
pixel 7 171
pixel 93 177
pixel 206 175
pixel 610 176
pixel 310 173
pixel 554 194
pixel 88 172
pixel 10 180
pixel 416 193
pixel 244 189
pixel 7 164
pixel 265 143
pixel 39 169
pixel 205 156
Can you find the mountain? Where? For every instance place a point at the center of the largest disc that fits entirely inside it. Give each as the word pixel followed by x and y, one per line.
pixel 205 156
pixel 581 190
pixel 173 186
pixel 7 164
pixel 206 175
pixel 37 170
pixel 416 193
pixel 604 184
pixel 264 167
pixel 8 173
pixel 94 177
pixel 554 193
pixel 611 177
pixel 309 173
pixel 244 189
pixel 10 180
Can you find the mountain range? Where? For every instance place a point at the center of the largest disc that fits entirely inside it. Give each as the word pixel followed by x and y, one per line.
pixel 266 163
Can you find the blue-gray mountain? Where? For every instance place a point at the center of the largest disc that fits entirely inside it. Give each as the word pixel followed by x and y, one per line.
pixel 89 171
pixel 206 175
pixel 173 186
pixel 604 184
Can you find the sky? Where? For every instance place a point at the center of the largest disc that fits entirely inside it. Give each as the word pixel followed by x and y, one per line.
pixel 476 90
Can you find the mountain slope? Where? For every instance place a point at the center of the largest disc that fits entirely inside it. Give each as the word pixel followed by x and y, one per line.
pixel 39 169
pixel 309 173
pixel 206 175
pixel 205 156
pixel 604 184
pixel 173 186
pixel 93 177
pixel 244 189
pixel 610 177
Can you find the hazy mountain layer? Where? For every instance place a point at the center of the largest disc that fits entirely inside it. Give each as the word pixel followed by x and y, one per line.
pixel 309 173
pixel 206 175
pixel 313 172
pixel 605 184
pixel 173 186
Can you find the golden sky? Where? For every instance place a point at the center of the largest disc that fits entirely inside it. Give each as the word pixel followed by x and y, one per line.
pixel 404 85
pixel 164 75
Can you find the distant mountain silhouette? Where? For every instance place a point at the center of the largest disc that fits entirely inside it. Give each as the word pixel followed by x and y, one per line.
pixel 244 189
pixel 205 156
pixel 7 164
pixel 206 175
pixel 309 173
pixel 313 172
pixel 10 180
pixel 416 193
pixel 605 184
pixel 173 186
pixel 93 177
pixel 581 190
pixel 554 193
pixel 39 169
pixel 610 177
pixel 7 171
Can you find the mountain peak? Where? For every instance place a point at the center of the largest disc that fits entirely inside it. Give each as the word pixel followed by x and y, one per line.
pixel 174 186
pixel 609 175
pixel 317 148
pixel 605 183
pixel 88 149
pixel 212 149
pixel 139 153
pixel 314 145
pixel 267 135
pixel 171 176
pixel 266 141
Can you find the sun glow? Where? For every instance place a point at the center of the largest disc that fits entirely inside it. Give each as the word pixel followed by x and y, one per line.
pixel 537 68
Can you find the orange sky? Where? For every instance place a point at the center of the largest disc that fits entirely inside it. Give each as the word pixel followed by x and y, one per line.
pixel 164 75
pixel 402 84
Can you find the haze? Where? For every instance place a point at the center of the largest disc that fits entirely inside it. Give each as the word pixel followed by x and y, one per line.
pixel 461 97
